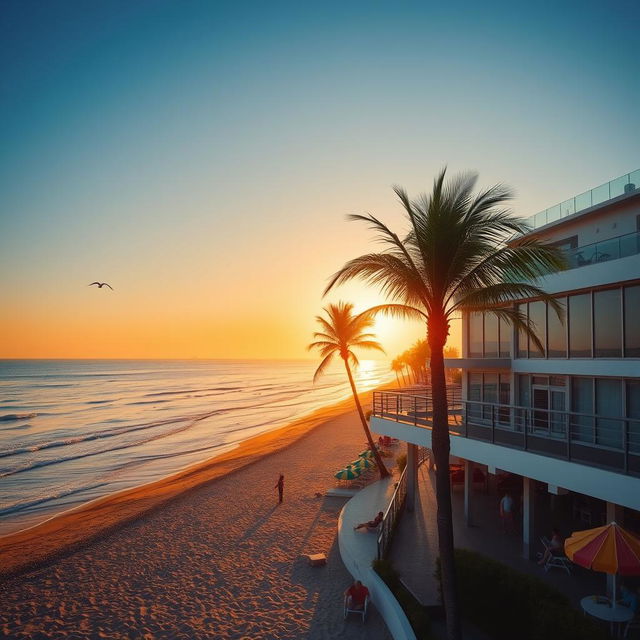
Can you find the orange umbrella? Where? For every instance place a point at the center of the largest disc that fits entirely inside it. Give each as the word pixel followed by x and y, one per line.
pixel 609 549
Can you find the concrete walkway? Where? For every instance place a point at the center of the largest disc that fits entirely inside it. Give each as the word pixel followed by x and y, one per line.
pixel 359 548
pixel 415 546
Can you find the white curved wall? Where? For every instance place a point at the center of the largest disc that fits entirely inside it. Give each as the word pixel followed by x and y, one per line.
pixel 359 549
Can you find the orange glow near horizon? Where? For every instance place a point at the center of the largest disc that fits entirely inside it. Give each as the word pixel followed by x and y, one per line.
pixel 119 324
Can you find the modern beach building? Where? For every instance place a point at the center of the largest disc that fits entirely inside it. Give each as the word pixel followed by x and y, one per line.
pixel 566 419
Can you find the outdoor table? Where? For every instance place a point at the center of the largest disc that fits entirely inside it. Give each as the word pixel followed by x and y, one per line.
pixel 599 607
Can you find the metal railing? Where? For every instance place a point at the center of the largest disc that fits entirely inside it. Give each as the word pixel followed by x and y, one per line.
pixel 416 409
pixel 396 505
pixel 604 250
pixel 628 183
pixel 603 441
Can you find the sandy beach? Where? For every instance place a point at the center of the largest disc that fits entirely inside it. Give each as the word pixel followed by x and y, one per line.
pixel 221 560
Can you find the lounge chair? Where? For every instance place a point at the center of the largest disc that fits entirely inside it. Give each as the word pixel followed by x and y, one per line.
pixel 556 558
pixel 362 612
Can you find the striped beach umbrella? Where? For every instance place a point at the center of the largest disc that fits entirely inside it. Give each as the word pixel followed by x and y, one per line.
pixel 367 453
pixel 348 473
pixel 362 463
pixel 609 549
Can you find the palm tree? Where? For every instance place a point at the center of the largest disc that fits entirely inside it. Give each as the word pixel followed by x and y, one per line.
pixel 397 366
pixel 463 252
pixel 341 332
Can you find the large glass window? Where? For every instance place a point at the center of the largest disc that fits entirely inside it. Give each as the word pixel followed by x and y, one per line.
pixel 490 335
pixel 474 395
pixel 557 330
pixel 582 403
pixel 609 403
pixel 522 336
pixel 505 338
pixel 475 387
pixel 537 316
pixel 504 397
pixel 580 326
pixel 632 322
pixel 475 335
pixel 633 411
pixel 524 390
pixel 607 323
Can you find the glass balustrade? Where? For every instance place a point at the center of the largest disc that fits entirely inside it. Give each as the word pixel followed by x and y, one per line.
pixel 627 183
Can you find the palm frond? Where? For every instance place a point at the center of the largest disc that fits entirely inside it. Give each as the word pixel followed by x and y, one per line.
pixel 323 366
pixel 368 344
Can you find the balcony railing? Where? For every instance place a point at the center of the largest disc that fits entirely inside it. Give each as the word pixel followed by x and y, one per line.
pixel 393 511
pixel 601 441
pixel 605 250
pixel 628 183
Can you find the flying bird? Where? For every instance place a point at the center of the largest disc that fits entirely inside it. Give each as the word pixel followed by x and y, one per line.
pixel 102 284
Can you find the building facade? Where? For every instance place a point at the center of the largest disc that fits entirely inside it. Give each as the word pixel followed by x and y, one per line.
pixel 566 415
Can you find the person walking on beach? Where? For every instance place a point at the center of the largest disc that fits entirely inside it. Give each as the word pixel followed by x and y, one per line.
pixel 280 487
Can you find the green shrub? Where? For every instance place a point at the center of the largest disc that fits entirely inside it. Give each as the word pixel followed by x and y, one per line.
pixel 415 612
pixel 401 461
pixel 505 603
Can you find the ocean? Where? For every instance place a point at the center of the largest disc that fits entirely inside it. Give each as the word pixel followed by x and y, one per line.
pixel 72 431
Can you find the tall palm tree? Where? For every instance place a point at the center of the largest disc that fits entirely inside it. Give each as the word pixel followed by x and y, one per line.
pixel 341 332
pixel 463 252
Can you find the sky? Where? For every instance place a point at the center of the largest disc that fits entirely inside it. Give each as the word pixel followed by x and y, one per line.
pixel 201 157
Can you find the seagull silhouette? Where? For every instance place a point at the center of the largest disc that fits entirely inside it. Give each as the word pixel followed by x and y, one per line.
pixel 102 284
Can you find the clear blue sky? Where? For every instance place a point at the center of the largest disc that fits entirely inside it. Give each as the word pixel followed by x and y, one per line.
pixel 203 155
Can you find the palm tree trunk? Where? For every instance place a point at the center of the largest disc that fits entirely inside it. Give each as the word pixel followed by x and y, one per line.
pixel 398 379
pixel 441 448
pixel 381 466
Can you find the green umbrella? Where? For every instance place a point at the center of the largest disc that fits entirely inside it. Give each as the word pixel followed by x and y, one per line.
pixel 366 463
pixel 348 474
pixel 361 463
pixel 367 453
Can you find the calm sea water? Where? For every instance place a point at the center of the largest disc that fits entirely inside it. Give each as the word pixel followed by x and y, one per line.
pixel 72 431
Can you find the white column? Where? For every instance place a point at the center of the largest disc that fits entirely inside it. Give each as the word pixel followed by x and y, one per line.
pixel 468 488
pixel 528 500
pixel 412 475
pixel 614 513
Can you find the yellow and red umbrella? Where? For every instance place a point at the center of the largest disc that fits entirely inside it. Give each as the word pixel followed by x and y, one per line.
pixel 609 549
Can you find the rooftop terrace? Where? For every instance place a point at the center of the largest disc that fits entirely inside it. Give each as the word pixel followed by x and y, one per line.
pixel 626 184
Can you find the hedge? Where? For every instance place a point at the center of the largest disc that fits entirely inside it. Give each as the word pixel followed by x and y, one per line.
pixel 506 604
pixel 415 612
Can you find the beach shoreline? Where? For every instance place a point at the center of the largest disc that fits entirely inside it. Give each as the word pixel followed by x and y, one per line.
pixel 62 534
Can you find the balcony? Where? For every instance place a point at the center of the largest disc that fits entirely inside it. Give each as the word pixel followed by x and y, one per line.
pixel 624 185
pixel 605 250
pixel 610 443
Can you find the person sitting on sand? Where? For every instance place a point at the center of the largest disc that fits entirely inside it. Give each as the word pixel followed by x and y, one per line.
pixel 372 524
pixel 356 595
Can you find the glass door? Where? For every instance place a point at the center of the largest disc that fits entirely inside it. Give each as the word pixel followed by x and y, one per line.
pixel 540 408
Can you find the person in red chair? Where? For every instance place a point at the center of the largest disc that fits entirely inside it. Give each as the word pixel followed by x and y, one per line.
pixel 356 596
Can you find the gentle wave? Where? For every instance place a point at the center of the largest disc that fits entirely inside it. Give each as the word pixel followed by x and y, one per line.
pixel 16 507
pixel 98 435
pixel 175 393
pixel 88 454
pixel 9 417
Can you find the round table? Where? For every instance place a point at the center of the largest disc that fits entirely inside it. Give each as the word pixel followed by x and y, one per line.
pixel 599 607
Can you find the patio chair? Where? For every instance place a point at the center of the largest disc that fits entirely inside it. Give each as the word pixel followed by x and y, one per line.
pixel 362 612
pixel 556 559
